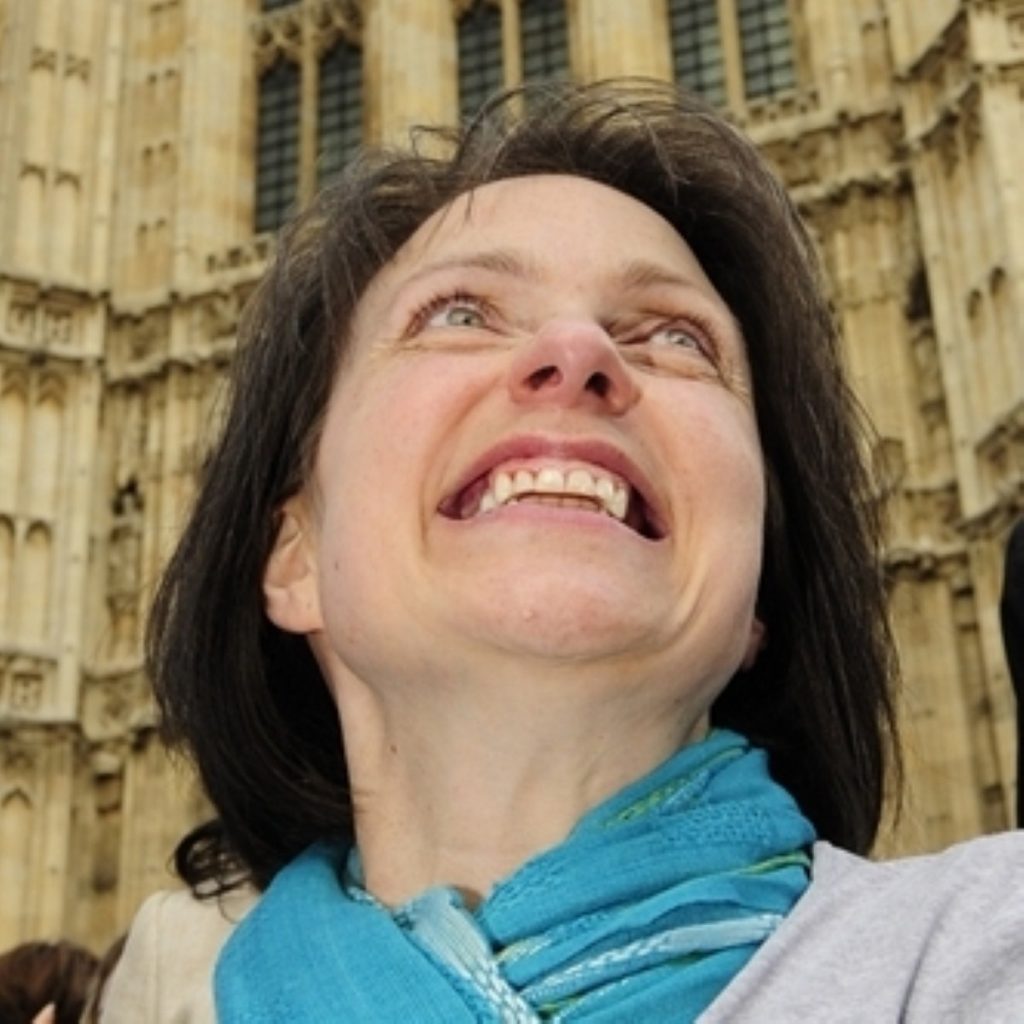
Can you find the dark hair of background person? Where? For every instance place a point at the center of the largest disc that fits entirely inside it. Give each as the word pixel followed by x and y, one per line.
pixel 247 701
pixel 1011 616
pixel 35 974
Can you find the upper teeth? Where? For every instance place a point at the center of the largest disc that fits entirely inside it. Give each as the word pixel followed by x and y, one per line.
pixel 505 487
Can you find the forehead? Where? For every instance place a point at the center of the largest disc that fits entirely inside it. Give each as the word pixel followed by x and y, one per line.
pixel 545 214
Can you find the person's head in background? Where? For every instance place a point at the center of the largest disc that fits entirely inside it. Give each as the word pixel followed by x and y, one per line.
pixel 46 982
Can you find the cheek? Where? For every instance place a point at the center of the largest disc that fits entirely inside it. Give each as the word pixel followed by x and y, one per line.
pixel 382 451
pixel 402 407
pixel 718 458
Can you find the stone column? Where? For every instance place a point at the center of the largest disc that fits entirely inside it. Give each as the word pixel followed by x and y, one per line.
pixel 409 67
pixel 615 38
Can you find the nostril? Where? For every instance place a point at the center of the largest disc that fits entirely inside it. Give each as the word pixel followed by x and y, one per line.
pixel 544 375
pixel 599 384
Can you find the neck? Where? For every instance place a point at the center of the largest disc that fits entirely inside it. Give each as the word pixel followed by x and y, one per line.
pixel 449 799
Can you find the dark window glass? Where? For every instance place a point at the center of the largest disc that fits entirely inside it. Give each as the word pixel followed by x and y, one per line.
pixel 277 145
pixel 767 46
pixel 339 108
pixel 480 59
pixel 697 48
pixel 544 39
pixel 271 5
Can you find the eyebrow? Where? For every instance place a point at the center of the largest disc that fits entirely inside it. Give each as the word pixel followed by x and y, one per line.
pixel 640 274
pixel 635 275
pixel 508 262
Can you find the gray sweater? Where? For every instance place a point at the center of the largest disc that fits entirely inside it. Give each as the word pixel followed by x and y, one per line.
pixel 925 940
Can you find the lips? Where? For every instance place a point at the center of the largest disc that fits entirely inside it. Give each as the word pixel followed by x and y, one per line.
pixel 588 475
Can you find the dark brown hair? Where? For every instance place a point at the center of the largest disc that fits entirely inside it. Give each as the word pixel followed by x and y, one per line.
pixel 36 974
pixel 247 700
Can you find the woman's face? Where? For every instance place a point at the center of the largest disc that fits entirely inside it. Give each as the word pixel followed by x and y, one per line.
pixel 540 448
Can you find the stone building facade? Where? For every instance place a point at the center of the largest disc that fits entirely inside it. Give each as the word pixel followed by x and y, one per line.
pixel 147 147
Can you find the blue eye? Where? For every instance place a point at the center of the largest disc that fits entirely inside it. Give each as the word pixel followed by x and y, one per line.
pixel 679 336
pixel 456 312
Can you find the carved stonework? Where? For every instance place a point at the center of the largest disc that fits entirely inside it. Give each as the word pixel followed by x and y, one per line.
pixel 113 706
pixel 1015 31
pixel 42 321
pixel 43 57
pixel 142 337
pixel 24 692
pixel 56 326
pixel 779 109
pixel 250 255
pixel 1001 452
pixel 946 140
pixel 107 764
pixel 18 761
pixel 124 564
pixel 77 67
pixel 22 686
pixel 331 21
pixel 947 61
pixel 216 317
pixel 929 373
pixel 278 34
pixel 21 318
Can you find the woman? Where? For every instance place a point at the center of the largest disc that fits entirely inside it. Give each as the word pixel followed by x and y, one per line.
pixel 528 629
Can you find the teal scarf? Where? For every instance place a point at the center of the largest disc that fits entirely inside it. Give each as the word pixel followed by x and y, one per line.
pixel 654 902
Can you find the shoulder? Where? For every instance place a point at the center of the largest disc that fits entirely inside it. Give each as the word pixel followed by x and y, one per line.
pixel 931 938
pixel 979 865
pixel 973 887
pixel 165 973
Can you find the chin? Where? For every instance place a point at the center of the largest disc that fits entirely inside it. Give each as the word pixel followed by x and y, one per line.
pixel 567 623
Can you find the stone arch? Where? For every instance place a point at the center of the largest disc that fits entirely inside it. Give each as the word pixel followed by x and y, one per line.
pixel 66 203
pixel 45 443
pixel 42 88
pixel 978 369
pixel 31 187
pixel 1006 331
pixel 6 573
pixel 16 820
pixel 32 597
pixel 12 430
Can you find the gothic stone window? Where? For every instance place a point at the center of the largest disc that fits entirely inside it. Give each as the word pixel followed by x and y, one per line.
pixel 339 108
pixel 697 48
pixel 481 68
pixel 767 46
pixel 507 42
pixel 309 109
pixel 277 145
pixel 544 40
pixel 732 51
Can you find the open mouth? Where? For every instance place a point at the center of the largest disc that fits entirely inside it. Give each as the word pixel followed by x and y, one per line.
pixel 579 486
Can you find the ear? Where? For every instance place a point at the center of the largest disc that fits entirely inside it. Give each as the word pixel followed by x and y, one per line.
pixel 758 637
pixel 291 595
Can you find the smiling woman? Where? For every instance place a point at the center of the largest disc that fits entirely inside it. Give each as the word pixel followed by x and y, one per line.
pixel 528 632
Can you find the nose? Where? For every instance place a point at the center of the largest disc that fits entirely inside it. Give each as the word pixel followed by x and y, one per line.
pixel 572 363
